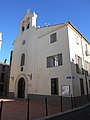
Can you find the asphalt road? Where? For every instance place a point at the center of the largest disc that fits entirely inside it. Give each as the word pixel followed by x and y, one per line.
pixel 82 114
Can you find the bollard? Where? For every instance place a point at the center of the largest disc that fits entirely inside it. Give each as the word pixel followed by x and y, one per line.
pixel 71 101
pixel 46 106
pixel 28 110
pixel 61 103
pixel 1 109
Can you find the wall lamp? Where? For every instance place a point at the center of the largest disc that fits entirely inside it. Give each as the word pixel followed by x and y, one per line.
pixel 12 77
pixel 30 76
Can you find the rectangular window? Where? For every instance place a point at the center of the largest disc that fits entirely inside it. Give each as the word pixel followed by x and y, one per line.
pixel 3 67
pixel 86 68
pixel 1 89
pixel 78 64
pixel 55 60
pixel 54 86
pixel 81 86
pixel 53 38
pixel 77 39
pixel 89 69
pixel 21 68
pixel 2 77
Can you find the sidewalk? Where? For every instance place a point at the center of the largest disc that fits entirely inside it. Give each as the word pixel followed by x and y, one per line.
pixel 17 109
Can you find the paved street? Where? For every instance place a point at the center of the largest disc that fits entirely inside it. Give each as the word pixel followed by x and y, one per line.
pixel 82 114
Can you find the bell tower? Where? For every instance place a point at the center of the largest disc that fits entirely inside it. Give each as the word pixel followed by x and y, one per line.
pixel 0 40
pixel 28 21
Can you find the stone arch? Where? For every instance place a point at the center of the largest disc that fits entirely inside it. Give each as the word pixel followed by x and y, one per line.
pixel 20 81
pixel 21 88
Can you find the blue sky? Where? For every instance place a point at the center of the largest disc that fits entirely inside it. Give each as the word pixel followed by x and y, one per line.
pixel 49 11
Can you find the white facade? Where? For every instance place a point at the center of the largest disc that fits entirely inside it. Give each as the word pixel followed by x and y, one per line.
pixel 37 74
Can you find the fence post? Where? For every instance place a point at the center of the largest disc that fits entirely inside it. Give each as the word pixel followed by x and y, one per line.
pixel 71 101
pixel 1 109
pixel 61 103
pixel 28 110
pixel 46 106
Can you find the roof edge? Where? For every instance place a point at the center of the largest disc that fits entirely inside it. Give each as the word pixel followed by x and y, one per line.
pixel 77 31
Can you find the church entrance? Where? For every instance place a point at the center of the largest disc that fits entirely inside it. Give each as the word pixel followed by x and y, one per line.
pixel 21 88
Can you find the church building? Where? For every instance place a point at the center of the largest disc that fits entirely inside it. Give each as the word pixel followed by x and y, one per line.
pixel 49 60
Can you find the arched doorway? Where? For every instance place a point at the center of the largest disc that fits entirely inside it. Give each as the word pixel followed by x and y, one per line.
pixel 21 88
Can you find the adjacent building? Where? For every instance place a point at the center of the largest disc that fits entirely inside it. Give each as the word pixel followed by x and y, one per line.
pixel 4 78
pixel 4 75
pixel 49 60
